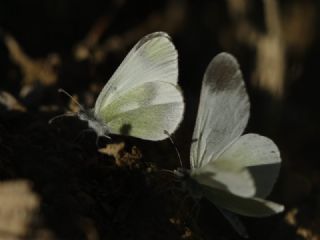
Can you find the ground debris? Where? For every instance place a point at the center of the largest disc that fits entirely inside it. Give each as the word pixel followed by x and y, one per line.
pixel 18 208
pixel 10 102
pixel 122 157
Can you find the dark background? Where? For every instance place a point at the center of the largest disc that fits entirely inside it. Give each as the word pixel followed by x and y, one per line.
pixel 286 110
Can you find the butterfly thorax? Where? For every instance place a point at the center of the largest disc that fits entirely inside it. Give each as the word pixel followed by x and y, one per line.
pixel 94 122
pixel 188 183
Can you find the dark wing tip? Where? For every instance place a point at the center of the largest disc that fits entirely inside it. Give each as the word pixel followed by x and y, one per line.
pixel 221 71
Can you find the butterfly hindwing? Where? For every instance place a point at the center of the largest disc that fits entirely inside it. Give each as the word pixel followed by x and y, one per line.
pixel 260 156
pixel 231 178
pixel 146 111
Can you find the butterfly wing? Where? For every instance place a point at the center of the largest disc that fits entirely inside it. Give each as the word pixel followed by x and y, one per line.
pixel 222 116
pixel 251 207
pixel 261 157
pixel 223 110
pixel 141 99
pixel 257 154
pixel 146 111
pixel 234 172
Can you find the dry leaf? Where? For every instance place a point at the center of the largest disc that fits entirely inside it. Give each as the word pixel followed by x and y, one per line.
pixel 122 158
pixel 309 230
pixel 307 234
pixel 130 159
pixel 114 149
pixel 291 217
pixel 11 102
pixel 18 208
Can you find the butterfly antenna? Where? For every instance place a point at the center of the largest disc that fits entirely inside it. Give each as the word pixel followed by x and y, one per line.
pixel 170 172
pixel 61 116
pixel 60 90
pixel 175 147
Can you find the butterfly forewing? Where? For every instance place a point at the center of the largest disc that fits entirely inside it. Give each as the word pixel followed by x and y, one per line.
pixel 223 110
pixel 152 59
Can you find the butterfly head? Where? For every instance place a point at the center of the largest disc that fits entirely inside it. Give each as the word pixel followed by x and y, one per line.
pixel 94 122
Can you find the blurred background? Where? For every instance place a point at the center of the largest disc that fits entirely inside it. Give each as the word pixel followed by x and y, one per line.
pixel 77 45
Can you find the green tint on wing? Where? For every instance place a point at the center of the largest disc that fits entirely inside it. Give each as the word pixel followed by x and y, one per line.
pixel 153 59
pixel 252 207
pixel 145 111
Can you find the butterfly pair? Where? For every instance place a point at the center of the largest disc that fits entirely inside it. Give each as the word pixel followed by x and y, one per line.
pixel 142 100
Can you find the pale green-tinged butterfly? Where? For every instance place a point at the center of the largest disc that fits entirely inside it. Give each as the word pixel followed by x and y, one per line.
pixel 234 172
pixel 142 98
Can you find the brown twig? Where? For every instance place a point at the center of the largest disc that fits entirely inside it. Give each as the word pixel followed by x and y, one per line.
pixel 169 20
pixel 271 46
pixel 42 70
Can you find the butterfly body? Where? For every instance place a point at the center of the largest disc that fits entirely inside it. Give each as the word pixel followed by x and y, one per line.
pixel 94 122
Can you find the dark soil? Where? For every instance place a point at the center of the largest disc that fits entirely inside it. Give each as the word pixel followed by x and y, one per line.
pixel 82 191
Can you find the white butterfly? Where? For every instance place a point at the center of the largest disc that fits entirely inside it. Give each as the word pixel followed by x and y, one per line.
pixel 234 172
pixel 142 98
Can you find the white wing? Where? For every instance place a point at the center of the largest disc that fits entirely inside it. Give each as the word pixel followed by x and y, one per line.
pixel 223 110
pixel 231 178
pixel 247 168
pixel 146 111
pixel 259 155
pixel 227 166
pixel 222 116
pixel 154 58
pixel 142 98
pixel 252 207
